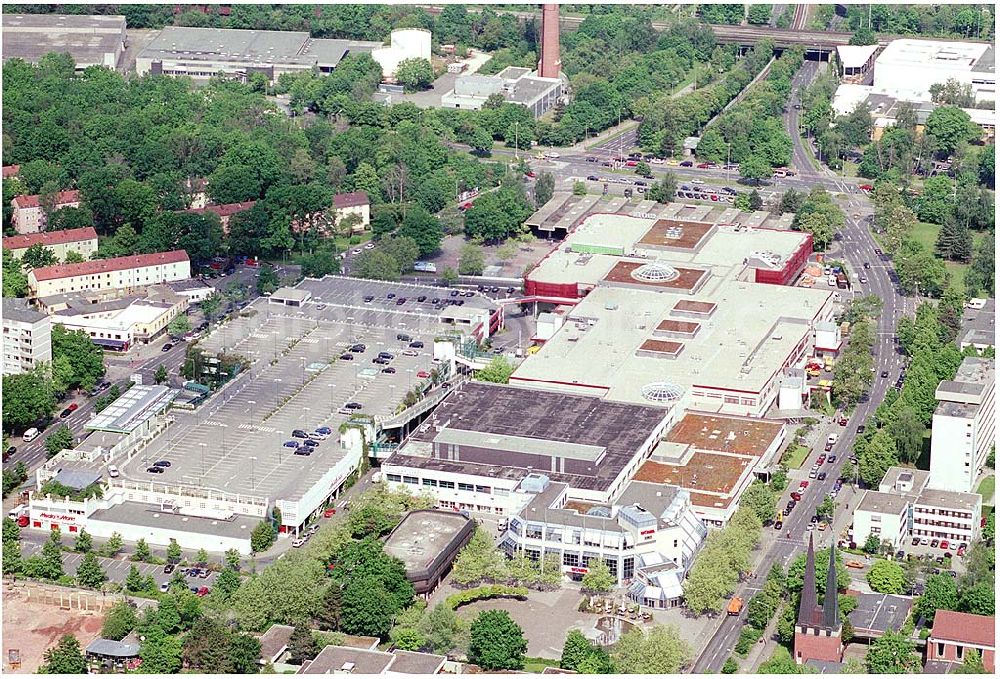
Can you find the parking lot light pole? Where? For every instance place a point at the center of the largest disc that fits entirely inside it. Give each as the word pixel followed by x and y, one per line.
pixel 252 404
pixel 253 484
pixel 203 446
pixel 276 381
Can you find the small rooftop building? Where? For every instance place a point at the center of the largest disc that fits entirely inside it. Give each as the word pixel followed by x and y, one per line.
pixel 856 61
pixel 978 324
pixel 427 542
pixel 516 85
pixel 348 660
pixel 878 613
pixel 91 40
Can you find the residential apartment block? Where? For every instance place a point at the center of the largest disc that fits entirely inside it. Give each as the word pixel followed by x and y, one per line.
pixel 82 241
pixel 29 215
pixel 116 276
pixel 355 202
pixel 27 337
pixel 964 427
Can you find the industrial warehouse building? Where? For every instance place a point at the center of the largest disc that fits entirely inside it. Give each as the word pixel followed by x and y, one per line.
pixel 203 53
pixel 91 40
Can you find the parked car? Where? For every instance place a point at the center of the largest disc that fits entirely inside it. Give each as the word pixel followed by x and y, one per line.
pixel 347 357
pixel 423 374
pixel 164 587
pixel 299 434
pixel 167 347
pixel 161 463
pixel 821 476
pixel 169 568
pixel 291 444
pixel 155 470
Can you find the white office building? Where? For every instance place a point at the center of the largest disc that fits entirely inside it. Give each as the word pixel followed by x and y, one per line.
pixel 964 427
pixel 27 337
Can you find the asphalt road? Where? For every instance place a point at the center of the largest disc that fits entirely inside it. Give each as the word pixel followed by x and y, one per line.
pixel 857 247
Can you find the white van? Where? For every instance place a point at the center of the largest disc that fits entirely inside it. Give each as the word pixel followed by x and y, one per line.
pixel 30 435
pixel 831 439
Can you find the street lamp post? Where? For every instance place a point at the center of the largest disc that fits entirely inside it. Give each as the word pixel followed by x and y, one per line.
pixel 253 483
pixel 252 404
pixel 203 446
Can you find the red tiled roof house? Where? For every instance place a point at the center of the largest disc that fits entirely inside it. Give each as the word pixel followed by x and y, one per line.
pixel 224 211
pixel 83 241
pixel 29 217
pixel 117 275
pixel 955 634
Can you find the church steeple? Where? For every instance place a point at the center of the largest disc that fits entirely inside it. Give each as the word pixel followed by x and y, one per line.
pixel 831 616
pixel 809 604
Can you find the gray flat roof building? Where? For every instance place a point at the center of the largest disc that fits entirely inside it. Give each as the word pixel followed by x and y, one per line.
pixel 510 432
pixel 90 40
pixel 207 52
pixel 427 542
pixel 517 85
pixel 979 325
pixel 878 613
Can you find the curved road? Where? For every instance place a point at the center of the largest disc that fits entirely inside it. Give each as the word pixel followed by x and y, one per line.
pixel 857 247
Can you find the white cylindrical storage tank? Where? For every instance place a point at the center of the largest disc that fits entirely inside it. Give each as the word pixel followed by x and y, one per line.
pixel 413 43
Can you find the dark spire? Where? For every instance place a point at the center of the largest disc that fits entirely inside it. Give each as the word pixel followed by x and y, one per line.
pixel 831 616
pixel 808 605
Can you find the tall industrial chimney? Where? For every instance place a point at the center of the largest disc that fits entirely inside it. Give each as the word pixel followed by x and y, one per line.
pixel 549 62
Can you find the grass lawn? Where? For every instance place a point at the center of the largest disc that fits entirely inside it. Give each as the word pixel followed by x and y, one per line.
pixel 986 489
pixel 850 169
pixel 927 234
pixel 796 456
pixel 538 665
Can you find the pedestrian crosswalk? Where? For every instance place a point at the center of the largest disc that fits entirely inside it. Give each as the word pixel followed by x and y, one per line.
pixel 256 427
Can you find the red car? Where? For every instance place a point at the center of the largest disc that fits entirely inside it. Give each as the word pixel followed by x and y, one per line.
pixel 842 422
pixel 865 187
pixel 961 551
pixel 821 459
pixel 203 591
pixel 465 206
pixel 944 544
pixel 529 173
pixel 704 166
pixel 631 163
pixel 715 197
pixel 803 484
pixel 423 374
pixel 796 495
pixel 327 513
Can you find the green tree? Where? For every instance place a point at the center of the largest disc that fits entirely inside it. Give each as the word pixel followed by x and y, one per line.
pixel 83 543
pixel 65 657
pixel 892 653
pixel 940 594
pixel 545 186
pixel 161 375
pixel 173 552
pixel 37 256
pixel 665 190
pixel 598 578
pixel 51 559
pixel 262 537
pixel 86 358
pixel 60 439
pixel 206 646
pixel 498 371
pixel 302 645
pixel 134 581
pixel 980 599
pixel 951 126
pixel 441 627
pixel 579 189
pixel 227 583
pixel 142 552
pixel 872 544
pixel 376 265
pixel 363 610
pixel 876 458
pixel 424 228
pixel 660 650
pixel 179 325
pixel 759 15
pixel 319 264
pixel 754 168
pixel 113 545
pixel 89 573
pixel 497 642
pixel 27 397
pixel 471 260
pixel 244 653
pixel 886 577
pixel 730 666
pixel 864 36
pixel 15 281
pixel 415 74
pixel 159 652
pixel 120 620
pixel 761 499
pixel 756 202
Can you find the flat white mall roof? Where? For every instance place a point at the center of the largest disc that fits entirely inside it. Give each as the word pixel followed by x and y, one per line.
pixel 754 324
